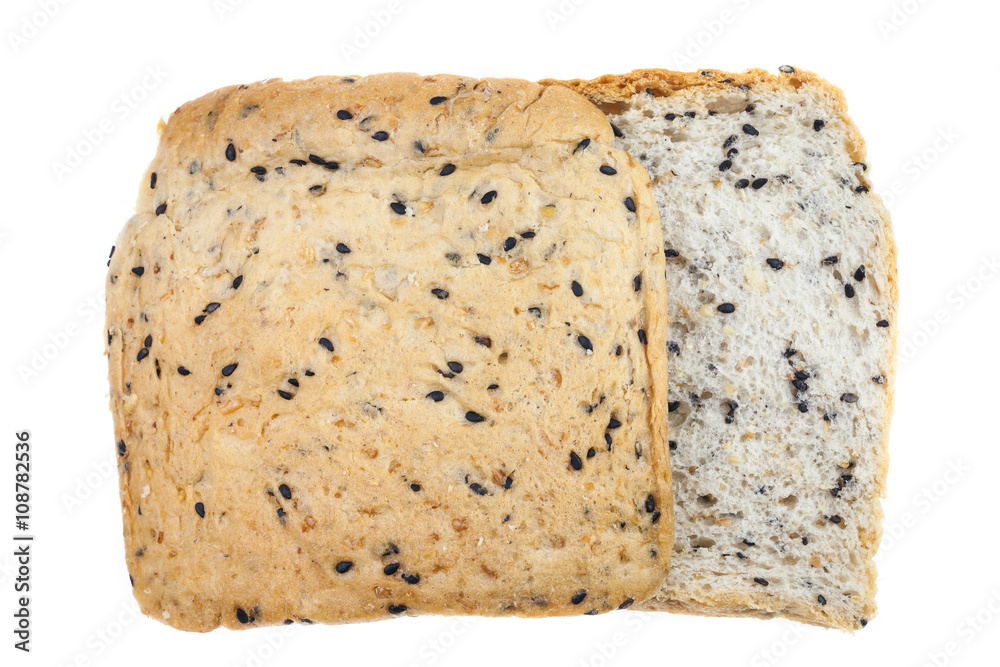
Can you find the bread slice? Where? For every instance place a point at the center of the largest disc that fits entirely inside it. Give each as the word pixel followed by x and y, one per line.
pixel 390 345
pixel 781 275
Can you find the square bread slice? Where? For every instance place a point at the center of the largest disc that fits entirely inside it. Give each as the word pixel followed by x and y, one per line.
pixel 781 275
pixel 390 345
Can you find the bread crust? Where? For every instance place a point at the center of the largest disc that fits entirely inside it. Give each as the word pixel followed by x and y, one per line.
pixel 611 93
pixel 250 500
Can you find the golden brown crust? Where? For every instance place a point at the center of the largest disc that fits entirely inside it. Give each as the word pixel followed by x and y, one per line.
pixel 611 92
pixel 376 471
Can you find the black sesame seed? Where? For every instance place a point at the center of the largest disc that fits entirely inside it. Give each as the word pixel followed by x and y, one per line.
pixel 212 307
pixel 325 343
pixel 183 371
pixel 617 132
pixel 143 353
pixel 447 169
pixel 241 615
pixel 672 406
pixel 237 281
pixel 848 290
pixel 726 308
pixel 149 341
pixel 574 461
pixel 440 293
pixel 397 608
pixel 298 162
pixel 455 367
pixel 730 141
pixel 650 503
pixel 608 170
pixel 800 385
pixel 138 270
pixel 670 252
pixel 477 489
pixel 508 482
pixel 281 514
pixel 527 235
pixel 200 319
pixel 286 492
pixel 689 114
pixel 725 165
pixel 474 417
pixel 438 99
pixel 775 264
pixel 614 423
pixel 585 343
pixel 751 130
pixel 391 568
pixel 415 488
pixel 818 124
pixel 509 244
pixel 637 283
pixel 579 597
pixel 861 189
pixel 742 183
pixel 628 603
pixel 786 69
pixel 835 518
pixel 882 323
pixel 790 352
pixel 821 599
pixel 488 197
pixel 152 181
pixel 670 116
pixel 260 171
pixel 760 580
pixel 285 395
pixel 397 208
pixel 343 566
pixel 199 509
pixel 591 453
pixel 831 260
pixel 582 144
pixel 864 167
pixel 759 183
pixel 849 398
pixel 485 341
pixel 577 289
pixel 344 114
pixel 293 382
pixel 230 152
pixel 749 108
pixel 121 448
pixel 732 152
pixel 436 396
pixel 380 135
pixel 161 209
pixel 642 336
pixel 630 204
pixel 483 259
pixel 228 370
pixel 411 578
pixel 859 275
pixel 863 622
pixel 801 375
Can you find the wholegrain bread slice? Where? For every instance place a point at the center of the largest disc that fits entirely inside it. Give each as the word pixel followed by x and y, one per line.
pixel 390 345
pixel 781 277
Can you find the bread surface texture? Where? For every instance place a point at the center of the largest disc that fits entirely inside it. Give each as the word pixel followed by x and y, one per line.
pixel 387 346
pixel 781 280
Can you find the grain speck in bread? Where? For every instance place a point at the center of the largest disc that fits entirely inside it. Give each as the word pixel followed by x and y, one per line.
pixel 351 372
pixel 781 276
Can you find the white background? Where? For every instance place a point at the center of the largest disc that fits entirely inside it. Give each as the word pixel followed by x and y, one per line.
pixel 97 75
